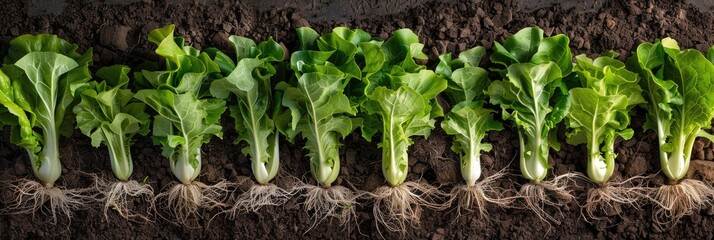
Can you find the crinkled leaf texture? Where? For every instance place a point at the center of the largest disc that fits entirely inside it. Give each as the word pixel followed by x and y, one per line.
pixel 468 121
pixel 183 125
pixel 186 118
pixel 250 83
pixel 352 51
pixel 109 115
pixel 677 85
pixel 331 72
pixel 186 69
pixel 320 112
pixel 600 110
pixel 401 102
pixel 40 72
pixel 530 46
pixel 534 98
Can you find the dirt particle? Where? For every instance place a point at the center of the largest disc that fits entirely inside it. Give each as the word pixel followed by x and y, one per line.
pixel 114 36
pixel 298 21
pixel 488 23
pixel 630 143
pixel 611 23
pixel 465 32
pixel 20 169
pixel 438 235
pixel 227 27
pixel 420 168
pixel 637 166
pixel 401 24
pixel 644 147
pixel 221 41
pixel 578 41
pixel 702 168
pixel 698 149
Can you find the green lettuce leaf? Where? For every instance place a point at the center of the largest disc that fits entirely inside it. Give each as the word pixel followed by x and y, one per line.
pixel 40 73
pixel 677 86
pixel 530 46
pixel 187 118
pixel 250 83
pixel 320 112
pixel 108 115
pixel 534 98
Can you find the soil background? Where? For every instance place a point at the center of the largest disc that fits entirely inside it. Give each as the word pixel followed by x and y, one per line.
pixel 117 31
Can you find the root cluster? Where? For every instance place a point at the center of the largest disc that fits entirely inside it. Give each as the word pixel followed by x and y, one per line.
pixel 613 195
pixel 397 208
pixel 553 193
pixel 676 201
pixel 121 195
pixel 336 202
pixel 475 198
pixel 30 197
pixel 183 201
pixel 259 196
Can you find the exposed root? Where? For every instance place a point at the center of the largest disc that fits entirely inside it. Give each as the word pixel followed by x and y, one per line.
pixel 612 195
pixel 336 202
pixel 398 207
pixel 30 197
pixel 183 201
pixel 259 196
pixel 679 200
pixel 554 193
pixel 121 195
pixel 475 198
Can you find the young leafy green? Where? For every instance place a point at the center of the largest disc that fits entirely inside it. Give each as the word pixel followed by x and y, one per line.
pixel 250 82
pixel 108 115
pixel 40 72
pixel 468 121
pixel 529 46
pixel 401 102
pixel 320 112
pixel 186 120
pixel 677 86
pixel 353 51
pixel 327 68
pixel 599 110
pixel 533 95
pixel 535 99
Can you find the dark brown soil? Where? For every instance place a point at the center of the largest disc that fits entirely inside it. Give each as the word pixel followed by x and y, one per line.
pixel 117 31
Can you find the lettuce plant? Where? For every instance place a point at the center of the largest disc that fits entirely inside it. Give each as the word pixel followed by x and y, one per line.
pixel 401 103
pixel 320 110
pixel 110 116
pixel 599 113
pixel 534 97
pixel 256 107
pixel 677 85
pixel 40 72
pixel 186 119
pixel 469 122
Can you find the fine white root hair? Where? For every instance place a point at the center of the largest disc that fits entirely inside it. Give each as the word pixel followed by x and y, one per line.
pixel 678 200
pixel 553 193
pixel 397 208
pixel 612 195
pixel 259 196
pixel 335 202
pixel 30 197
pixel 476 198
pixel 183 201
pixel 120 196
